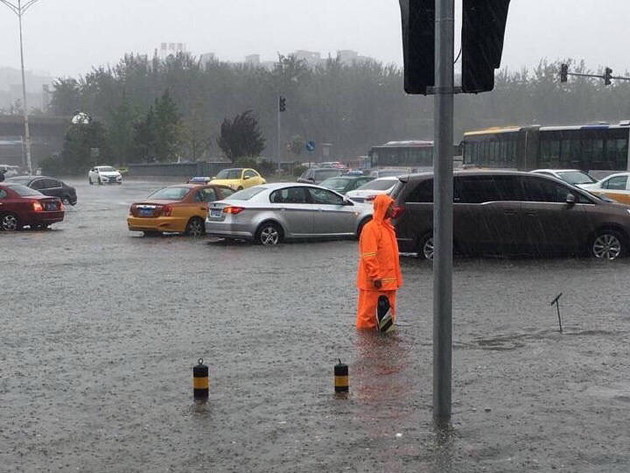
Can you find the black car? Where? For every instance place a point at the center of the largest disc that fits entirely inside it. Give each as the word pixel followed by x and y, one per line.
pixel 48 186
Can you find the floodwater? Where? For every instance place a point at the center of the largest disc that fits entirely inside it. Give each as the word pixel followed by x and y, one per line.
pixel 101 329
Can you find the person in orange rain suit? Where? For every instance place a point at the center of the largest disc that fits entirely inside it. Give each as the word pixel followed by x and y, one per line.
pixel 379 266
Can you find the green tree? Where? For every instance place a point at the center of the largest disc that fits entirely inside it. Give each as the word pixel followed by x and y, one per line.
pixel 241 137
pixel 66 97
pixel 145 138
pixel 168 128
pixel 79 149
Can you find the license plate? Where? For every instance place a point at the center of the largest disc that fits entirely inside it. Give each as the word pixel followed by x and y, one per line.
pixel 50 206
pixel 145 212
pixel 215 213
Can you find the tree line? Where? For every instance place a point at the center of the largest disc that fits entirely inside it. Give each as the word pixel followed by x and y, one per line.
pixel 148 110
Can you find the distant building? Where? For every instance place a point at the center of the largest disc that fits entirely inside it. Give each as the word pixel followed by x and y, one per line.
pixel 170 49
pixel 310 57
pixel 11 88
pixel 349 57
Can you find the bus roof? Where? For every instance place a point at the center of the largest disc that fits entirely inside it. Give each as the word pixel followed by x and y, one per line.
pixel 512 128
pixel 406 144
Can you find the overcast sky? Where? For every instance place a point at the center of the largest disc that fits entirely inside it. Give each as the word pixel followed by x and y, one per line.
pixel 68 37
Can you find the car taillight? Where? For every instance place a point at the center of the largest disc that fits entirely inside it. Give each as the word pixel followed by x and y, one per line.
pixel 132 208
pixel 398 211
pixel 166 210
pixel 233 210
pixel 37 207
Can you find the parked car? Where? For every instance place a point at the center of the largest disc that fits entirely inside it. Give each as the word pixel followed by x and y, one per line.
pixel 508 212
pixel 572 176
pixel 21 206
pixel 271 213
pixel 318 175
pixel 367 192
pixel 394 172
pixel 345 183
pixel 49 186
pixel 616 187
pixel 180 208
pixel 238 178
pixel 104 175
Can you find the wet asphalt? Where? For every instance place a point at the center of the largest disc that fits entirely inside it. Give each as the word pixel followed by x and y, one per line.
pixel 101 328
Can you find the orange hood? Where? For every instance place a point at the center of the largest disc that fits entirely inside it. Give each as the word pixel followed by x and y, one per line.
pixel 381 204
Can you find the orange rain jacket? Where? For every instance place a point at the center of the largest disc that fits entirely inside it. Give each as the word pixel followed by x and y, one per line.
pixel 379 257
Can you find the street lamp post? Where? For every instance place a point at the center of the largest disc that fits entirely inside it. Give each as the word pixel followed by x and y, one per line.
pixel 20 9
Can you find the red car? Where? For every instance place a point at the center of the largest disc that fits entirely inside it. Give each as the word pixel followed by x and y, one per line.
pixel 22 206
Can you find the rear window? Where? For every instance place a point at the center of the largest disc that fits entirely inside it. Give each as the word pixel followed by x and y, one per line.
pixel 575 177
pixel 23 190
pixel 248 193
pixel 335 183
pixel 170 193
pixel 377 185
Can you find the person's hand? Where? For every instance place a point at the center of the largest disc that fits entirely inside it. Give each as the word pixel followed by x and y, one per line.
pixel 377 283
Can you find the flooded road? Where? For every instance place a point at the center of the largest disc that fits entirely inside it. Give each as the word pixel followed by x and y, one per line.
pixel 101 328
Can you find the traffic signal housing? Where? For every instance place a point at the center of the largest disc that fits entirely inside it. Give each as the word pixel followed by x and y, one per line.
pixel 418 36
pixel 483 29
pixel 607 75
pixel 282 103
pixel 564 72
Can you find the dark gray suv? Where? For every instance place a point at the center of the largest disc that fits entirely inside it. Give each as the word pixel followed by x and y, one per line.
pixel 510 212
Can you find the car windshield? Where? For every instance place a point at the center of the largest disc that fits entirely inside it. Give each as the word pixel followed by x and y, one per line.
pixel 170 193
pixel 106 169
pixel 247 194
pixel 21 180
pixel 229 174
pixel 322 174
pixel 576 177
pixel 335 183
pixel 377 185
pixel 23 190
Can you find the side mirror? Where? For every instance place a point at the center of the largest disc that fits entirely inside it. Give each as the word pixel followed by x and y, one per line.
pixel 245 178
pixel 347 201
pixel 570 199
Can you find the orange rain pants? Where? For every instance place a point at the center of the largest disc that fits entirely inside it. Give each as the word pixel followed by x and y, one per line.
pixel 366 310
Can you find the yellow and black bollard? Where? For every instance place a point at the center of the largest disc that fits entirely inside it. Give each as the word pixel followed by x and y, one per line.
pixel 200 381
pixel 341 378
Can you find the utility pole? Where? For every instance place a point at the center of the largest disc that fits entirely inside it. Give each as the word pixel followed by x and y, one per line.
pixel 20 9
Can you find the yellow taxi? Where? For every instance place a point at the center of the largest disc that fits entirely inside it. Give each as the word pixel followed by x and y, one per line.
pixel 238 178
pixel 180 208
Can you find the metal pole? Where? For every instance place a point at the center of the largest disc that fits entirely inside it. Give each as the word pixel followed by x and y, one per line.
pixel 278 144
pixel 443 212
pixel 27 132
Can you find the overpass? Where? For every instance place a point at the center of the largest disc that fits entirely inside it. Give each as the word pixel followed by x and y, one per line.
pixel 47 133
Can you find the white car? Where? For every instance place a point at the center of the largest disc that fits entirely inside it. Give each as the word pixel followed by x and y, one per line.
pixel 572 176
pixel 616 187
pixel 104 175
pixel 367 192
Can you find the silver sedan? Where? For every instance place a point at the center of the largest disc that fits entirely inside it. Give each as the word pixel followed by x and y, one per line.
pixel 270 213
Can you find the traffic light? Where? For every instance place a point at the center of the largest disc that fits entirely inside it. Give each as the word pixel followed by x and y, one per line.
pixel 483 28
pixel 282 103
pixel 418 35
pixel 564 71
pixel 607 75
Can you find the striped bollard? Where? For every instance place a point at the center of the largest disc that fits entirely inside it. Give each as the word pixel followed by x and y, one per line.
pixel 200 381
pixel 341 378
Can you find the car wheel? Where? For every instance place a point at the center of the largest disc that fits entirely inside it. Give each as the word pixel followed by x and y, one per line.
pixel 608 244
pixel 361 225
pixel 239 188
pixel 100 182
pixel 9 222
pixel 269 234
pixel 66 200
pixel 90 181
pixel 425 247
pixel 195 227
